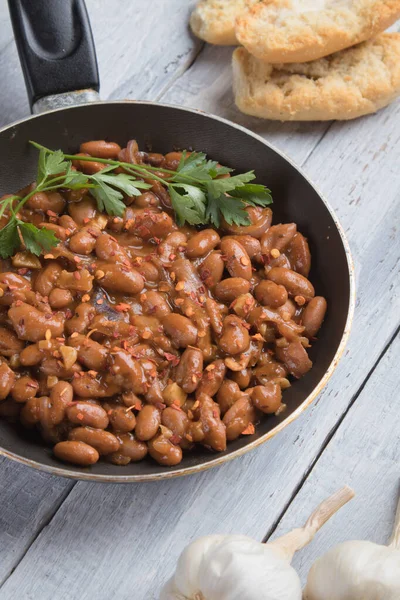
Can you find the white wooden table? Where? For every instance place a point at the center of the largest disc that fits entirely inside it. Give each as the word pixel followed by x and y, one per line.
pixel 61 539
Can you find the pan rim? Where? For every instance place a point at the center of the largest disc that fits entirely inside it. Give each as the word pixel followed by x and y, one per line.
pixel 218 460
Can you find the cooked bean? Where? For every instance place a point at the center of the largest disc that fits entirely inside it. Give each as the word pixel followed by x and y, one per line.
pixel 77 453
pixel 46 201
pixel 117 279
pixel 228 289
pixel 295 358
pixel 169 248
pixel 148 199
pixel 202 243
pixel 313 315
pixel 147 423
pixel 278 237
pixel 7 378
pixel 47 278
pixel 83 242
pixel 242 378
pixel 128 372
pixel 172 160
pixel 154 304
pixel 238 417
pixel 9 342
pixel 30 324
pixel 91 354
pixel 151 223
pixel 271 294
pixel 149 271
pixel 268 369
pixel 212 269
pixel 212 378
pixel 238 262
pixel 83 211
pixel 131 447
pixel 9 409
pixel 67 222
pixel 227 394
pixel 250 244
pixel 86 413
pixel 122 419
pixel 213 428
pixel 267 398
pixel 100 149
pixel 24 388
pixel 186 272
pixel 60 399
pixel 81 319
pixel 59 298
pixel 299 255
pixel 30 413
pixel 103 441
pixel 235 337
pixel 164 451
pixel 30 356
pixel 78 281
pixel 296 284
pixel 189 370
pixel 108 249
pixel 177 421
pixel 216 313
pixel 180 329
pixel 260 221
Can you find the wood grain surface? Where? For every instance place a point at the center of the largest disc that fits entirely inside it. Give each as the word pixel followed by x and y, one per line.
pixel 60 539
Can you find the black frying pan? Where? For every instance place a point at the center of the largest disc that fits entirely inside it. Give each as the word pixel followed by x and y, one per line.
pixel 58 57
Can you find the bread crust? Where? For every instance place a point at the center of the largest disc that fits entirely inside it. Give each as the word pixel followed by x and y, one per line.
pixel 214 20
pixel 351 83
pixel 283 31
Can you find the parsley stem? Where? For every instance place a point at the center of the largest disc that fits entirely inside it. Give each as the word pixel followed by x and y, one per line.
pixel 140 169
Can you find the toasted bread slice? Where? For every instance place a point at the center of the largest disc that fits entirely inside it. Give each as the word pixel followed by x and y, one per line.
pixel 282 31
pixel 214 20
pixel 351 83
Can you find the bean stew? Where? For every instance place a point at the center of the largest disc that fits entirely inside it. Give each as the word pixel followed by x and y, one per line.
pixel 137 335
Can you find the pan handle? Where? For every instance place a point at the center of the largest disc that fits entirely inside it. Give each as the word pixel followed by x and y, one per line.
pixel 56 50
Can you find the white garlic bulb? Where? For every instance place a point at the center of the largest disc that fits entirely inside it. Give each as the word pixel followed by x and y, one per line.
pixel 236 567
pixel 359 570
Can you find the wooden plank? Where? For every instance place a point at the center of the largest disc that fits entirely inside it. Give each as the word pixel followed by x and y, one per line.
pixel 130 536
pixel 28 499
pixel 364 454
pixel 138 50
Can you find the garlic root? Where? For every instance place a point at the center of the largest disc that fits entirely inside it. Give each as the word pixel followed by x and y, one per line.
pixel 298 538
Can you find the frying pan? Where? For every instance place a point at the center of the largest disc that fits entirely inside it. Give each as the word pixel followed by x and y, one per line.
pixel 58 59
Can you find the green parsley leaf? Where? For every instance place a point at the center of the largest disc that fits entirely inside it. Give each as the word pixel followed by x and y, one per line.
pixel 9 239
pixel 75 180
pixel 231 209
pixel 195 196
pixel 186 207
pixel 216 187
pixel 126 183
pixel 36 239
pixel 253 193
pixel 108 199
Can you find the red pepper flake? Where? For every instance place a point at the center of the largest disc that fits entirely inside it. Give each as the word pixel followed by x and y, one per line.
pixel 215 414
pixel 175 406
pixel 22 271
pixel 250 429
pixel 86 220
pixel 48 316
pixel 80 416
pixel 122 306
pixel 77 275
pixel 68 314
pixel 76 375
pixel 77 259
pixel 174 360
pixel 160 405
pixel 175 439
pixel 85 298
pixel 18 303
pixel 172 257
pixel 99 301
pixel 51 213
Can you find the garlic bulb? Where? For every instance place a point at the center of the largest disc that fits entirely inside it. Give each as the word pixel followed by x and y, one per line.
pixel 236 567
pixel 359 570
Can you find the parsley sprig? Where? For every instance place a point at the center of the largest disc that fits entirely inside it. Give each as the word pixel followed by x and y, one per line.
pixel 199 194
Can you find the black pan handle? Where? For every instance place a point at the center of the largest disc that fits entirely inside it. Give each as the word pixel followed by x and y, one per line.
pixel 55 46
